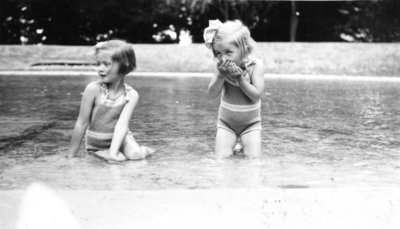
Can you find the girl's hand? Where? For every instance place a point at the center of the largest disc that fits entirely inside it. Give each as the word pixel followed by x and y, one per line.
pixel 234 71
pixel 222 67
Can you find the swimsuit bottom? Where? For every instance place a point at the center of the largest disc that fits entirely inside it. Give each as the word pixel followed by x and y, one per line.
pixel 96 141
pixel 239 119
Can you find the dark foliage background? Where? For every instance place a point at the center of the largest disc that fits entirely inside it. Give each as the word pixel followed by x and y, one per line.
pixel 82 22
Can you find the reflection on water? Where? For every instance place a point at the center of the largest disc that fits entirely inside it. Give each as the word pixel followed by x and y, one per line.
pixel 315 134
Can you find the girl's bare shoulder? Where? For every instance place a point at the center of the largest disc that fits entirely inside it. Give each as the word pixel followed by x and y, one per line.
pixel 257 61
pixel 131 93
pixel 94 85
pixel 93 88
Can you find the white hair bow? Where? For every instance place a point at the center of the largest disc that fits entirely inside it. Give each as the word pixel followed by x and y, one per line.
pixel 210 31
pixel 99 45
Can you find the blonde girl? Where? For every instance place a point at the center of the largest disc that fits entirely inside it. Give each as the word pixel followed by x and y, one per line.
pixel 239 80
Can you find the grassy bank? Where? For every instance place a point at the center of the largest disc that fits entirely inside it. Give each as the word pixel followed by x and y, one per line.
pixel 279 58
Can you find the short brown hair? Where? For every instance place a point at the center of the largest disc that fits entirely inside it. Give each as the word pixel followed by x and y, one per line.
pixel 122 53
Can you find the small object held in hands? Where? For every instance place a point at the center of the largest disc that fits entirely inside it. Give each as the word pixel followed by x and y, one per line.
pixel 234 70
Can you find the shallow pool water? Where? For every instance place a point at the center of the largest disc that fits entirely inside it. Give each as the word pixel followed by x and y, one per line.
pixel 316 133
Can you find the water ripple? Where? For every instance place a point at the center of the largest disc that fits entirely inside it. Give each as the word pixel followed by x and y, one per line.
pixel 315 134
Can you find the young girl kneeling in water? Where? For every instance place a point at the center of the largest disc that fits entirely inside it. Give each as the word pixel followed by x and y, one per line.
pixel 240 81
pixel 107 106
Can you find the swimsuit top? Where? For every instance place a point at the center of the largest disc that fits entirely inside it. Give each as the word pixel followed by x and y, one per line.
pixel 245 67
pixel 108 111
pixel 104 89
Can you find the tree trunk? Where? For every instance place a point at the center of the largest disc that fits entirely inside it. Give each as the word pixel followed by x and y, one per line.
pixel 1 26
pixel 293 22
pixel 226 6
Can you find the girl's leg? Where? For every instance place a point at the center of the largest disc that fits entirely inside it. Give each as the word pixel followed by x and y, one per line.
pixel 251 142
pixel 131 149
pixel 224 143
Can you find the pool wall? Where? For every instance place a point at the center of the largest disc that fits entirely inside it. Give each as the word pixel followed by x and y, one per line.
pixel 371 59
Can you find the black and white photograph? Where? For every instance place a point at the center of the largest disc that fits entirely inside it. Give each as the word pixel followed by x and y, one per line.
pixel 199 114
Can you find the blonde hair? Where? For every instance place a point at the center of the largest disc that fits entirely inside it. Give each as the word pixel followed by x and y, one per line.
pixel 122 53
pixel 237 34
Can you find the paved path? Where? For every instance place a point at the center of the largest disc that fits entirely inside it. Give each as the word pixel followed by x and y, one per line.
pixel 41 207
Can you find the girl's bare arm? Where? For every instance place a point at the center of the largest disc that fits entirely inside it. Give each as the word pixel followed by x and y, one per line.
pixel 217 81
pixel 255 89
pixel 122 126
pixel 216 85
pixel 83 120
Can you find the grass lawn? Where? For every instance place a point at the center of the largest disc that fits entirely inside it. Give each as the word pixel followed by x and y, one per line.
pixel 380 59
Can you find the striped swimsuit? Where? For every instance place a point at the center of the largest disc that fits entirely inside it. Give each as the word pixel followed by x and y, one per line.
pixel 101 129
pixel 239 118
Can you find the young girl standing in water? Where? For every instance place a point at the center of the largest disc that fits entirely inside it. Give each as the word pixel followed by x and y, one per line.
pixel 107 106
pixel 240 82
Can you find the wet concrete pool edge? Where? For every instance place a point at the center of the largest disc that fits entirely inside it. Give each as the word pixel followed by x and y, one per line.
pixel 237 208
pixel 204 75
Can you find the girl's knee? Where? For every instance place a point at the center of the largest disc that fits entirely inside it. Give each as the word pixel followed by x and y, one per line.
pixel 138 153
pixel 223 153
pixel 253 153
pixel 252 150
pixel 252 144
pixel 134 154
pixel 224 145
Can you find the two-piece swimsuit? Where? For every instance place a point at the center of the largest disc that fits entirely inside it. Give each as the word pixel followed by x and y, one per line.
pixel 239 118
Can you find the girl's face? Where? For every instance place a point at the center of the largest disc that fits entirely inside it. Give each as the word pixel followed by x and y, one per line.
pixel 227 51
pixel 106 68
